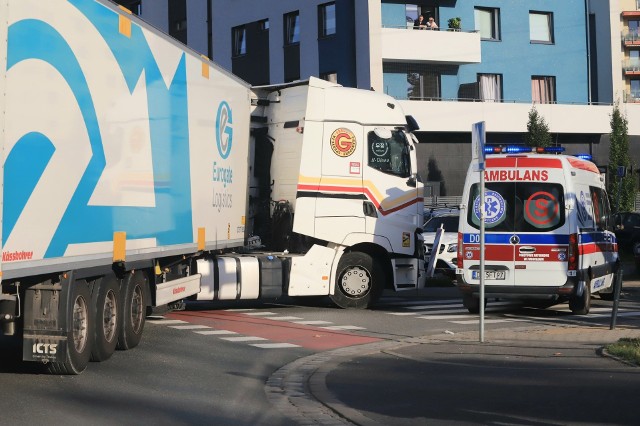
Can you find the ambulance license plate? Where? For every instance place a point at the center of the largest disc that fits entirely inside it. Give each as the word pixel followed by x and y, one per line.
pixel 490 275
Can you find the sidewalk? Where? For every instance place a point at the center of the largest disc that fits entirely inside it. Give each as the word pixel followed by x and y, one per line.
pixel 527 375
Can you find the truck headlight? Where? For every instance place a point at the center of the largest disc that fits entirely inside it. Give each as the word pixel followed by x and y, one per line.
pixel 452 248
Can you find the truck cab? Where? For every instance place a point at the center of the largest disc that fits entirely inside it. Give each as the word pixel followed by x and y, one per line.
pixel 344 187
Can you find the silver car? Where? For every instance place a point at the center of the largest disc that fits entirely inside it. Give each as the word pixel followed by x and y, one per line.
pixel 448 250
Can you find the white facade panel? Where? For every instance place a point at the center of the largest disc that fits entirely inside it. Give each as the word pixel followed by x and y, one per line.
pixel 450 47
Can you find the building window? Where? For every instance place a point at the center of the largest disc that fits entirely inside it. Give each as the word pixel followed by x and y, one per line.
pixel 412 12
pixel 541 27
pixel 327 19
pixel 239 40
pixel 331 77
pixel 264 25
pixel 543 89
pixel 412 81
pixel 135 6
pixel 487 22
pixel 292 28
pixel 490 87
pixel 635 91
pixel 178 20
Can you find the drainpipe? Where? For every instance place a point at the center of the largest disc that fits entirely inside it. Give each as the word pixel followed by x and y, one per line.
pixel 586 13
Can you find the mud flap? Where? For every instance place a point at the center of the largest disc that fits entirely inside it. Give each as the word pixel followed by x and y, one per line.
pixel 45 321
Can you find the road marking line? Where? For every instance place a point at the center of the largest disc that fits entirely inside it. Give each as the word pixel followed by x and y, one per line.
pixel 487 321
pixel 312 322
pixel 257 314
pixel 434 306
pixel 167 321
pixel 240 310
pixel 274 345
pixel 343 327
pixel 441 317
pixel 189 327
pixel 242 338
pixel 423 302
pixel 284 318
pixel 215 332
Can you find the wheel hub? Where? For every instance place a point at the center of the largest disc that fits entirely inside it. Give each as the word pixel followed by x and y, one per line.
pixel 355 282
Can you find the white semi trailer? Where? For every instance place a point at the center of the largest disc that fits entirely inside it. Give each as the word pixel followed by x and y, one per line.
pixel 137 173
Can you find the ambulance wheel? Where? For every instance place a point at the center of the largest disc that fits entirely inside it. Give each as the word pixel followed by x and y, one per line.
pixel 580 305
pixel 80 333
pixel 472 303
pixel 134 309
pixel 359 281
pixel 106 298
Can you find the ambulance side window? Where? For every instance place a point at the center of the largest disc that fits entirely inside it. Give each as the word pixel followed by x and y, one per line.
pixel 601 210
pixel 389 155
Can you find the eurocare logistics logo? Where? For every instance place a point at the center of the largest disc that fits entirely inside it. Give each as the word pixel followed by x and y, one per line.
pixel 224 130
pixel 222 197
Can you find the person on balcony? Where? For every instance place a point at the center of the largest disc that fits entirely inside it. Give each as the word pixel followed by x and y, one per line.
pixel 420 23
pixel 431 24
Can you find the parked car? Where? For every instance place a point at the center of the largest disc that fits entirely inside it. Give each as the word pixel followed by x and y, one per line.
pixel 448 250
pixel 627 229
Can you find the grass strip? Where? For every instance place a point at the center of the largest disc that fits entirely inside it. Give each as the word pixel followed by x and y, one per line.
pixel 626 348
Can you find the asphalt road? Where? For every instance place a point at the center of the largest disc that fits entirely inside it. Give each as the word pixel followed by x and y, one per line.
pixel 251 363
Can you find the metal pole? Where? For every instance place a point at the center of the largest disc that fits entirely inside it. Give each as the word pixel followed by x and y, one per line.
pixel 482 216
pixel 616 297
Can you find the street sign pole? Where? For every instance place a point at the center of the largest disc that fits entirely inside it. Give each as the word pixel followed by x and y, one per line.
pixel 477 146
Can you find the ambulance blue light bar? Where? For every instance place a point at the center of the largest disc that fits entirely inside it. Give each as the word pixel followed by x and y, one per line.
pixel 517 149
pixel 587 157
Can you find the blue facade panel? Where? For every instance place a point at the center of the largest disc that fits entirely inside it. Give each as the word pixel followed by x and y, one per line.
pixel 513 55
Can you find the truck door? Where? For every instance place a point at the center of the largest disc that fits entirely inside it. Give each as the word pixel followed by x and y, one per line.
pixel 339 203
pixel 391 207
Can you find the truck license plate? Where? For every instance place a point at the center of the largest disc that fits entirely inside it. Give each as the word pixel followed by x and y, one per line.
pixel 490 275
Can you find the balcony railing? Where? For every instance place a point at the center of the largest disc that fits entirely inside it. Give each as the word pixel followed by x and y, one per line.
pixel 631 66
pixel 631 38
pixel 632 96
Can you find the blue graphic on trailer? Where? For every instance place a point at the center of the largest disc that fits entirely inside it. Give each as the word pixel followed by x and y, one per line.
pixel 169 222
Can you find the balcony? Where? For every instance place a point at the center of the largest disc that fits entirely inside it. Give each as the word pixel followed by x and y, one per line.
pixel 631 38
pixel 631 67
pixel 442 47
pixel 632 97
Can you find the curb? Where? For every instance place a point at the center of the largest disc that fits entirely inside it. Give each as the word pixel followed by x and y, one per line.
pixel 602 351
pixel 298 390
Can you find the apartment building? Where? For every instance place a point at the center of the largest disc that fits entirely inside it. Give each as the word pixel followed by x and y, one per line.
pixel 571 59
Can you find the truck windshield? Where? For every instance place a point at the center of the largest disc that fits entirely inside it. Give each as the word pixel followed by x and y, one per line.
pixel 518 206
pixel 390 155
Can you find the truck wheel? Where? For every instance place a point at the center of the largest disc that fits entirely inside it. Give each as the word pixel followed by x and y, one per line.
pixel 133 310
pixel 106 299
pixel 580 305
pixel 80 333
pixel 359 281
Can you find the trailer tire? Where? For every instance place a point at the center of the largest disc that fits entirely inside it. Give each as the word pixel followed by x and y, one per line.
pixel 359 281
pixel 134 307
pixel 580 305
pixel 79 334
pixel 106 299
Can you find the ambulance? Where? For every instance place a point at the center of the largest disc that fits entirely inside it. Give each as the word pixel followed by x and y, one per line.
pixel 548 233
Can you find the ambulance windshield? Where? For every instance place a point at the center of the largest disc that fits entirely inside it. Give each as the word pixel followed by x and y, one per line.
pixel 518 206
pixel 389 152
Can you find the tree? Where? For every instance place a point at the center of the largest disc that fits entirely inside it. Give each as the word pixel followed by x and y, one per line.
pixel 537 130
pixel 622 190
